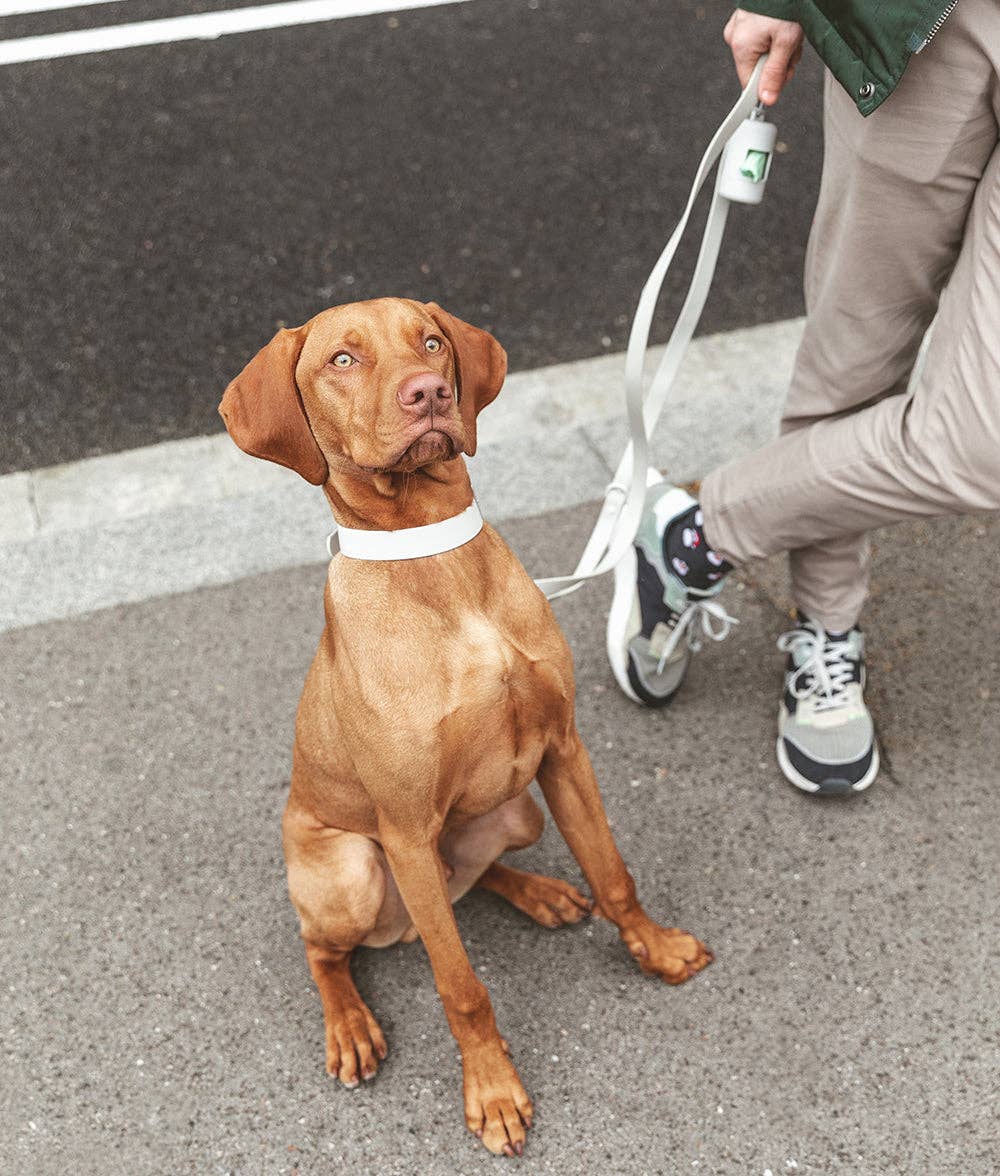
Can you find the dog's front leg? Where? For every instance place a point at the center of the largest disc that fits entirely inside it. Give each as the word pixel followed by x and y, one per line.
pixel 497 1108
pixel 567 781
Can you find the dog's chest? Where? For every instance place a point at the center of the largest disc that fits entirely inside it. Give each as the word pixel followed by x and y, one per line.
pixel 507 670
pixel 509 703
pixel 455 703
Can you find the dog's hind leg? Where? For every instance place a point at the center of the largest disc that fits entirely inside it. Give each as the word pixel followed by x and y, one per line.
pixel 549 901
pixel 472 850
pixel 337 884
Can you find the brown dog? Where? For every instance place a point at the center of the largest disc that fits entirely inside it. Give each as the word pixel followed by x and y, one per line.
pixel 441 688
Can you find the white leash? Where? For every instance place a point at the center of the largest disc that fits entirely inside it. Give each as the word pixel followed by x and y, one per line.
pixel 741 177
pixel 747 142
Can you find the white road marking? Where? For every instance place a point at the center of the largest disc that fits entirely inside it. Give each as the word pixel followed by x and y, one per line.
pixel 201 26
pixel 16 7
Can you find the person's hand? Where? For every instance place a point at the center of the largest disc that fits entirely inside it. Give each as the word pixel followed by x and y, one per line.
pixel 749 35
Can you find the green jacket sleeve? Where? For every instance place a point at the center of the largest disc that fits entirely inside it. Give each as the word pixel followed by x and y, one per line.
pixel 865 46
pixel 780 9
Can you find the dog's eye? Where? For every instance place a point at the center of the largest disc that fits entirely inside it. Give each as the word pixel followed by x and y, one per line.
pixel 342 360
pixel 433 344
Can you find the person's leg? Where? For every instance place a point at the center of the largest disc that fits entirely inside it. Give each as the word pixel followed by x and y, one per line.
pixel 932 451
pixel 858 448
pixel 895 200
pixel 902 196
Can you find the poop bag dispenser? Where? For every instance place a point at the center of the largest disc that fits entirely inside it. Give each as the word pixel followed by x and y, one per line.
pixel 746 161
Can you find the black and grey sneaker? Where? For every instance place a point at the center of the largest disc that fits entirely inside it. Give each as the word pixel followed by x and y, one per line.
pixel 826 738
pixel 656 623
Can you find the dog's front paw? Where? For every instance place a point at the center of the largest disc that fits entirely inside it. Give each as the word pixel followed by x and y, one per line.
pixel 354 1043
pixel 667 952
pixel 497 1107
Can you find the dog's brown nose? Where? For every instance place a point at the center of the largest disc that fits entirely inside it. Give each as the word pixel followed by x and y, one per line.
pixel 424 393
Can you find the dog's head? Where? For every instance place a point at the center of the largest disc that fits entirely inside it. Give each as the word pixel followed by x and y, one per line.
pixel 388 385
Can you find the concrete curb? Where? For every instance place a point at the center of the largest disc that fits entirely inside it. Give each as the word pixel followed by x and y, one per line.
pixel 175 516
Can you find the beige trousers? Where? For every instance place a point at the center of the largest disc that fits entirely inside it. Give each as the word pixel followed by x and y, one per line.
pixel 910 200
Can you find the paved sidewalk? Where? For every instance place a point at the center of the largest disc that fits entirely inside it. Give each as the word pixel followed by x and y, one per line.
pixel 181 515
pixel 158 1018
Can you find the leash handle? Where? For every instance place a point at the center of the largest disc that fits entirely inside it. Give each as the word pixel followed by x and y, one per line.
pixel 621 513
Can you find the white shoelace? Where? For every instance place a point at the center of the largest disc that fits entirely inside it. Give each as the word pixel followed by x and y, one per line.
pixel 826 670
pixel 715 626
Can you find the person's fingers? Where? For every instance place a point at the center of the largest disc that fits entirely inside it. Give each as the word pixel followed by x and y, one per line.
pixel 749 34
pixel 727 32
pixel 774 74
pixel 786 49
pixel 746 53
pixel 745 59
pixel 748 37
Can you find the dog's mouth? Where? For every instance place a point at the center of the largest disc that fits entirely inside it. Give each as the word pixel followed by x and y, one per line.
pixel 436 443
pixel 436 438
pixel 432 445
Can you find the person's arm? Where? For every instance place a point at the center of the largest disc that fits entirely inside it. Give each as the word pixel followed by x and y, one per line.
pixel 749 34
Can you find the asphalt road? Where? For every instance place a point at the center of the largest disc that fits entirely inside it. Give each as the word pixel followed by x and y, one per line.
pixel 520 161
pixel 157 1017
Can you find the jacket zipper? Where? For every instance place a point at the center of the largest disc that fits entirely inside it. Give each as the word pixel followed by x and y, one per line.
pixel 936 26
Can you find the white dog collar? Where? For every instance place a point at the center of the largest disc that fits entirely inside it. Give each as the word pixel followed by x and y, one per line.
pixel 408 542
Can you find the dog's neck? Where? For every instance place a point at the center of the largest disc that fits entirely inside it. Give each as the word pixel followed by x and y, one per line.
pixel 371 501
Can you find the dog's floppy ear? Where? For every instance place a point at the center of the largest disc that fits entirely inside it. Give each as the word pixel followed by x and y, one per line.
pixel 481 364
pixel 263 410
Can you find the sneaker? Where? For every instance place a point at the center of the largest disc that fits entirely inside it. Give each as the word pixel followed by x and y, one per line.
pixel 656 623
pixel 826 738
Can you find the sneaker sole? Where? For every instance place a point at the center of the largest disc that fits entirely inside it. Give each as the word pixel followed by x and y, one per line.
pixel 625 575
pixel 621 609
pixel 804 785
pixel 617 650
